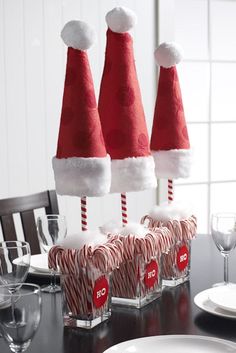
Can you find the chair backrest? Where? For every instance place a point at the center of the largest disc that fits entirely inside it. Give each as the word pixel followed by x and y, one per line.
pixel 25 206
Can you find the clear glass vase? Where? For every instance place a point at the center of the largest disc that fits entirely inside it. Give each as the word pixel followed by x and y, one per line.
pixel 136 282
pixel 86 298
pixel 176 264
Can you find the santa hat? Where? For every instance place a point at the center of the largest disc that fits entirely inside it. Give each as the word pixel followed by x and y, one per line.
pixel 81 165
pixel 169 140
pixel 121 110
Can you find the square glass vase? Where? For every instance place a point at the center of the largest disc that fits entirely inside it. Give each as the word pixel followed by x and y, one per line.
pixel 176 264
pixel 86 298
pixel 136 282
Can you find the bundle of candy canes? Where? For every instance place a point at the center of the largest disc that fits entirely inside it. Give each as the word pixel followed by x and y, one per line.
pixel 142 250
pixel 182 227
pixel 85 271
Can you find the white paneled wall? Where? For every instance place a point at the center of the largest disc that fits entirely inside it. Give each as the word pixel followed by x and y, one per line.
pixel 32 68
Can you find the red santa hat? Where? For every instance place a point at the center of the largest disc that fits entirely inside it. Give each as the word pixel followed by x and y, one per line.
pixel 169 140
pixel 81 165
pixel 121 110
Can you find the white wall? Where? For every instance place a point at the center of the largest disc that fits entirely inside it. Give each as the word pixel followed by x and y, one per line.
pixel 32 66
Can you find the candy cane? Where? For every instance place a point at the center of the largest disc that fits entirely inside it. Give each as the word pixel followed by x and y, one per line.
pixel 78 289
pixel 170 191
pixel 124 280
pixel 124 209
pixel 128 279
pixel 78 282
pixel 182 232
pixel 84 225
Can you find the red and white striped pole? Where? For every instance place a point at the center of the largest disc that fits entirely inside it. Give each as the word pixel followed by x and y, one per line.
pixel 170 191
pixel 124 209
pixel 84 224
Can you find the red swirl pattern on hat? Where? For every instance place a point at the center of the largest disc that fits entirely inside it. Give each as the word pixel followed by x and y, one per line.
pixel 120 103
pixel 143 141
pixel 169 129
pixel 80 128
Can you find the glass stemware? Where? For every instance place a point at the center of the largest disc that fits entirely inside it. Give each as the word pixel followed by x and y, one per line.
pixel 52 230
pixel 223 229
pixel 14 263
pixel 19 322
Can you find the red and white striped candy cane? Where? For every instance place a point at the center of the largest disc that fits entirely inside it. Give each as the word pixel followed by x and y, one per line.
pixel 176 233
pixel 84 225
pixel 80 284
pixel 78 281
pixel 124 209
pixel 53 256
pixel 76 286
pixel 125 280
pixel 128 279
pixel 170 191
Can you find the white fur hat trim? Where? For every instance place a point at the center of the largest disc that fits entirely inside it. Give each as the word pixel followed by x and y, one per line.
pixel 79 176
pixel 121 19
pixel 172 164
pixel 78 35
pixel 168 54
pixel 132 174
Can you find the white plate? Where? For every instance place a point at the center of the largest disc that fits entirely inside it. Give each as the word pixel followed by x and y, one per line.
pixel 32 271
pixel 203 302
pixel 41 274
pixel 39 263
pixel 174 343
pixel 224 297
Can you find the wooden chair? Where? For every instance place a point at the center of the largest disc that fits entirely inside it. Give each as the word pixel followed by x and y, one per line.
pixel 25 206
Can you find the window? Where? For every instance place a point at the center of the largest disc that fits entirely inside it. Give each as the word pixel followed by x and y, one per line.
pixel 206 29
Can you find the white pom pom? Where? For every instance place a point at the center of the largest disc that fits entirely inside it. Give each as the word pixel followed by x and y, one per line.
pixel 121 19
pixel 78 35
pixel 77 241
pixel 168 54
pixel 134 228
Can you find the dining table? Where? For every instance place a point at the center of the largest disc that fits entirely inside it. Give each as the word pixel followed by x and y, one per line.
pixel 173 313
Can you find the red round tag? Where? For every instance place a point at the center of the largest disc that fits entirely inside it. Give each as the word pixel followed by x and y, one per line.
pixel 151 274
pixel 100 292
pixel 182 258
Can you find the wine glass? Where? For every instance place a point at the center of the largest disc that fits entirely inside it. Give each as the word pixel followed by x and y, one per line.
pixel 52 230
pixel 14 263
pixel 18 323
pixel 223 229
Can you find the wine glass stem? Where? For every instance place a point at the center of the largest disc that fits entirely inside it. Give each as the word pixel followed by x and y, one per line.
pixel 53 279
pixel 13 309
pixel 226 269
